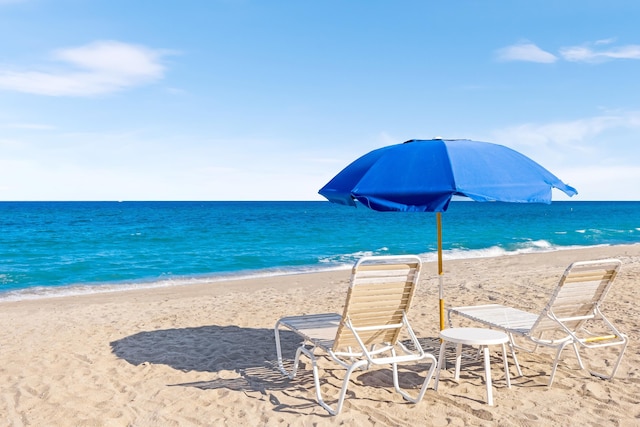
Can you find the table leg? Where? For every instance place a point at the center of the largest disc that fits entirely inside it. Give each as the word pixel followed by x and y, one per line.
pixel 458 360
pixel 441 357
pixel 487 373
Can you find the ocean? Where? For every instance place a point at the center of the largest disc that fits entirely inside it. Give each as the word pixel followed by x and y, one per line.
pixel 63 248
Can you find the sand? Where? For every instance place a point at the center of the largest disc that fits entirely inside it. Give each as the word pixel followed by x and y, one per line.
pixel 205 355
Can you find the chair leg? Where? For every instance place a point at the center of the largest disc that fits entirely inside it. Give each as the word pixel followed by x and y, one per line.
pixel 316 381
pixel 425 383
pixel 555 362
pixel 616 365
pixel 577 352
pixel 506 365
pixel 292 374
pixel 276 332
pixel 597 374
pixel 512 346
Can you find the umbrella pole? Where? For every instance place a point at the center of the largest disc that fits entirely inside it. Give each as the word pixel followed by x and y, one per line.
pixel 440 270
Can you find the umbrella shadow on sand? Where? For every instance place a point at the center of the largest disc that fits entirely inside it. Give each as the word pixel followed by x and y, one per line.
pixel 245 358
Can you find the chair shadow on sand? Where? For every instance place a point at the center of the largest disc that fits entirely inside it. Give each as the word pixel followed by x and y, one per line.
pixel 249 352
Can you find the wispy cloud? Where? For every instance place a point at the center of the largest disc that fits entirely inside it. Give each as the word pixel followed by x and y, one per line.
pixel 594 154
pixel 97 68
pixel 525 52
pixel 586 53
pixel 571 132
pixel 605 41
pixel 592 139
pixel 598 51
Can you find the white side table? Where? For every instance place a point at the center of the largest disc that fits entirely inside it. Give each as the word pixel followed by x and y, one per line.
pixel 474 336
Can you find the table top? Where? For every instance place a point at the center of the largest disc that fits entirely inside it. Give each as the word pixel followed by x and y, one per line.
pixel 474 336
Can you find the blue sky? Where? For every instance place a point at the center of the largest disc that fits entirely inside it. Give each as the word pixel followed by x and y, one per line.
pixel 267 100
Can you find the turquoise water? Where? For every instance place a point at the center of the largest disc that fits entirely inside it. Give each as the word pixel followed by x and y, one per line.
pixel 70 247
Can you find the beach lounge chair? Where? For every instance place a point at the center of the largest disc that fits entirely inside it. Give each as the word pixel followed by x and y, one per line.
pixel 573 307
pixel 370 329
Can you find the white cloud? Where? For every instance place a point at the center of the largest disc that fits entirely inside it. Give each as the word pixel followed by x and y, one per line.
pixel 97 68
pixel 574 131
pixel 587 54
pixel 605 41
pixel 598 51
pixel 597 155
pixel 525 52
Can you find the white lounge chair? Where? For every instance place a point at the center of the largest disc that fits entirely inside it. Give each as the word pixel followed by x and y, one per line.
pixel 574 307
pixel 369 330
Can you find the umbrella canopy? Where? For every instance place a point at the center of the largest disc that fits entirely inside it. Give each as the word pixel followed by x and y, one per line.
pixel 423 176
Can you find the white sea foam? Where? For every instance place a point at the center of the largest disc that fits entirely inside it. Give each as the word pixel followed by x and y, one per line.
pixel 497 251
pixel 342 262
pixel 541 244
pixel 349 259
pixel 39 292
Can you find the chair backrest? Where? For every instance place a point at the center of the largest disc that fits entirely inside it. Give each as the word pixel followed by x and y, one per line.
pixel 581 290
pixel 380 293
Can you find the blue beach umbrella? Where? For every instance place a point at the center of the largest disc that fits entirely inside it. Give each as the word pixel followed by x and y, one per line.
pixel 423 176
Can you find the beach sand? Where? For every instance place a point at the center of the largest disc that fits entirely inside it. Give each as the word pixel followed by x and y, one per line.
pixel 205 355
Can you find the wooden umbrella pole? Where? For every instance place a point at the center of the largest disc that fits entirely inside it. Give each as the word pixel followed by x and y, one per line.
pixel 440 269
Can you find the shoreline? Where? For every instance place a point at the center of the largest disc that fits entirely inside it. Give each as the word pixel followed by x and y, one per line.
pixel 204 354
pixel 72 290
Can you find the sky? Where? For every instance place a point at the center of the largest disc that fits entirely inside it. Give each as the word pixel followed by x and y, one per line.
pixel 268 100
